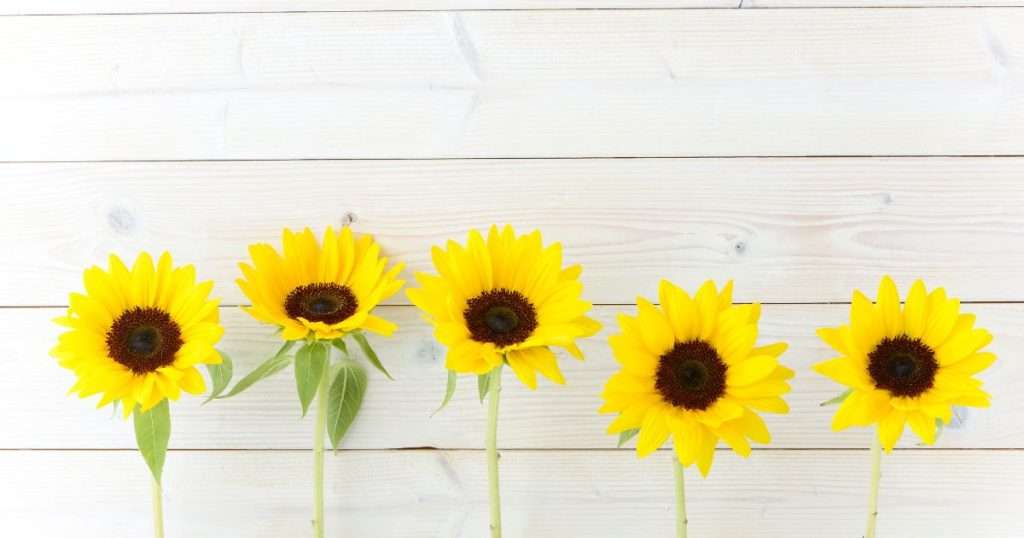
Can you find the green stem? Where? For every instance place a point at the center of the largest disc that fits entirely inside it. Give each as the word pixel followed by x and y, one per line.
pixel 680 498
pixel 492 450
pixel 158 510
pixel 876 474
pixel 318 455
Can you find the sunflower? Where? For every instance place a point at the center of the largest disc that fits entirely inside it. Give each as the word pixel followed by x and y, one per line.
pixel 137 335
pixel 324 290
pixel 507 298
pixel 906 366
pixel 690 370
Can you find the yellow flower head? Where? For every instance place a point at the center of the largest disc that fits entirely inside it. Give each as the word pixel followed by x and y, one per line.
pixel 906 365
pixel 690 370
pixel 323 289
pixel 506 297
pixel 136 336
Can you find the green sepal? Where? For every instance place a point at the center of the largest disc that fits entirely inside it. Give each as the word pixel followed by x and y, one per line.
pixel 625 436
pixel 271 366
pixel 483 384
pixel 345 397
pixel 310 364
pixel 838 399
pixel 341 345
pixel 371 355
pixel 220 376
pixel 449 391
pixel 152 433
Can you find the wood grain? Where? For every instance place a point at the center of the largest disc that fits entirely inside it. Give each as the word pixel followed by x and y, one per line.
pixel 442 494
pixel 788 230
pixel 398 414
pixel 513 84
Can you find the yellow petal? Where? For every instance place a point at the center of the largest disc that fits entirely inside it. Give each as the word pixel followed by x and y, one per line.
pixel 889 306
pixel 843 370
pixel 890 428
pixel 653 433
pixel 751 370
pixel 922 425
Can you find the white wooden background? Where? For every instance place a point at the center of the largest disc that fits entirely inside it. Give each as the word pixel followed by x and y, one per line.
pixel 803 152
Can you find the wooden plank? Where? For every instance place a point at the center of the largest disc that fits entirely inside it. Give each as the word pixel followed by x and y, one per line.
pixel 397 414
pixel 65 7
pixel 544 493
pixel 788 230
pixel 513 84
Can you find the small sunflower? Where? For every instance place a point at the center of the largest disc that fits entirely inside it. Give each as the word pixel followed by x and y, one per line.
pixel 324 290
pixel 690 369
pixel 907 365
pixel 137 335
pixel 506 298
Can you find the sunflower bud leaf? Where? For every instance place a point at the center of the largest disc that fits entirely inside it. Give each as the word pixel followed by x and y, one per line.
pixel 370 354
pixel 310 364
pixel 152 433
pixel 340 344
pixel 625 436
pixel 449 391
pixel 344 399
pixel 483 383
pixel 220 376
pixel 269 367
pixel 838 399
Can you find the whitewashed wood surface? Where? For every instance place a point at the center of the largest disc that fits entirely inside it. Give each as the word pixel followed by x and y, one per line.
pixel 803 152
pixel 514 84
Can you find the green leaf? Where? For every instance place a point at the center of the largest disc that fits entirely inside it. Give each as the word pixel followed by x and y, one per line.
pixel 340 344
pixel 269 367
pixel 449 391
pixel 838 399
pixel 371 355
pixel 344 400
pixel 152 432
pixel 483 383
pixel 625 436
pixel 220 375
pixel 310 363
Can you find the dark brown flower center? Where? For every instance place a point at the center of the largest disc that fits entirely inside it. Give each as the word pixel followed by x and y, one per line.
pixel 144 339
pixel 904 366
pixel 502 317
pixel 691 375
pixel 323 301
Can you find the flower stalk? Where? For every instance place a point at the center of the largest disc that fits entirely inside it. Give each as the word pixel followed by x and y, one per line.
pixel 876 474
pixel 158 509
pixel 680 498
pixel 318 455
pixel 492 450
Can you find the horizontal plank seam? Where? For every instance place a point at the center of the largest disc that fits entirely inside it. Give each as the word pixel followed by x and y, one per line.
pixel 434 449
pixel 738 6
pixel 763 303
pixel 514 158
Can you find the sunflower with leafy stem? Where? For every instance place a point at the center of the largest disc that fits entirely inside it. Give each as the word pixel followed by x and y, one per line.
pixel 318 293
pixel 136 337
pixel 691 371
pixel 503 300
pixel 904 366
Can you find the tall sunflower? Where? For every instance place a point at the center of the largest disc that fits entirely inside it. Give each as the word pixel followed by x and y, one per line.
pixel 319 289
pixel 691 370
pixel 903 366
pixel 504 300
pixel 318 293
pixel 137 335
pixel 906 366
